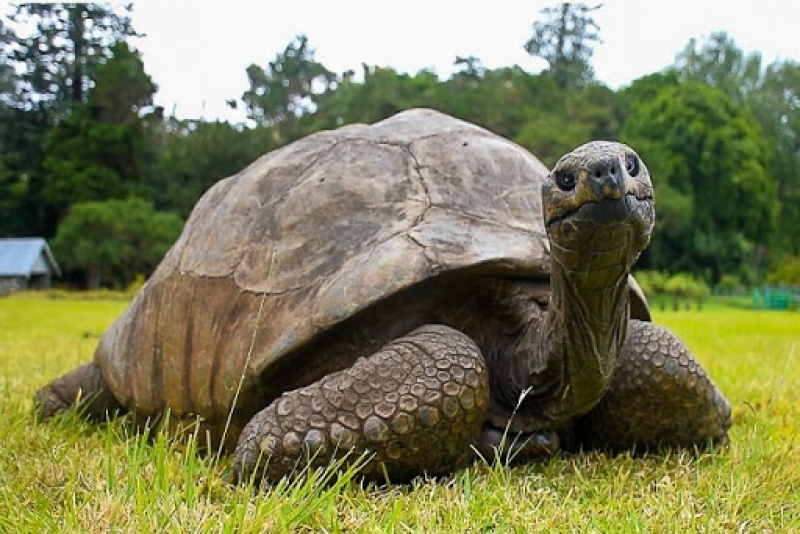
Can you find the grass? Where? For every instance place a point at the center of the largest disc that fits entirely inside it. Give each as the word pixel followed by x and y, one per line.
pixel 68 476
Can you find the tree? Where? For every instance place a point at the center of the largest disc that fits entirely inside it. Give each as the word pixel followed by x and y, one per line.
pixel 647 87
pixel 471 67
pixel 12 187
pixel 95 152
pixel 593 112
pixel 502 100
pixel 776 104
pixel 383 93
pixel 787 271
pixel 193 155
pixel 291 85
pixel 564 39
pixel 68 41
pixel 720 63
pixel 716 201
pixel 8 76
pixel 774 99
pixel 111 242
pixel 49 51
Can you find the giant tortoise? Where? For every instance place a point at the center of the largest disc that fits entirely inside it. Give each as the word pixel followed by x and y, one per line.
pixel 419 290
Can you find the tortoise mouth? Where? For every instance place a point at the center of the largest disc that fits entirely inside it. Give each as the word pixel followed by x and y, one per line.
pixel 602 234
pixel 607 211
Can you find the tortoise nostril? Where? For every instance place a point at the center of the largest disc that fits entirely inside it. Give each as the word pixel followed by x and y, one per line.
pixel 607 178
pixel 601 171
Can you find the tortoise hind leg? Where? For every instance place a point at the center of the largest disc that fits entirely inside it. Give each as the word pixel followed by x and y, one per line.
pixel 660 396
pixel 417 405
pixel 83 387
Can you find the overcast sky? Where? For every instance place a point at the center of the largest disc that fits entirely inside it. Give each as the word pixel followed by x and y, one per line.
pixel 197 51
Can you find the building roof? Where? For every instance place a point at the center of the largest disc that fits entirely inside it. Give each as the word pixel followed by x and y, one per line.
pixel 21 256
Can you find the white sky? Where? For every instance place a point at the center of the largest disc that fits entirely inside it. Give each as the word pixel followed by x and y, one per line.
pixel 197 51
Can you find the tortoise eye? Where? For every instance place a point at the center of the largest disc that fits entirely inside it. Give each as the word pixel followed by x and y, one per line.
pixel 632 165
pixel 566 180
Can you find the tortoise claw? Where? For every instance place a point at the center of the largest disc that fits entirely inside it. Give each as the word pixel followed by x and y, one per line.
pixel 512 447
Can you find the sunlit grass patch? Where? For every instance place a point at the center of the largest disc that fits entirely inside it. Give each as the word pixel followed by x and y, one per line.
pixel 68 476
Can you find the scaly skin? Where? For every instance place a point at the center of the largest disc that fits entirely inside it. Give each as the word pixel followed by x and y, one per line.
pixel 660 396
pixel 83 386
pixel 417 405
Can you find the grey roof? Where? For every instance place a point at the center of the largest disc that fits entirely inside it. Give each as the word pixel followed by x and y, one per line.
pixel 19 256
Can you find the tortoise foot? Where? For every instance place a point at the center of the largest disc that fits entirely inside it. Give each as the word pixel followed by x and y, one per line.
pixel 84 388
pixel 660 396
pixel 413 407
pixel 510 447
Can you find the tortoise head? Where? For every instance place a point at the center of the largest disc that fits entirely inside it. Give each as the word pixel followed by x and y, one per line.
pixel 598 209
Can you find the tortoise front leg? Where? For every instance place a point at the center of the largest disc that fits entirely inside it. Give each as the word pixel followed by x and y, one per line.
pixel 83 387
pixel 660 395
pixel 416 405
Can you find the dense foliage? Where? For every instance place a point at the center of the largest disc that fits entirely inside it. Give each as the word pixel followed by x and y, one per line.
pixel 720 132
pixel 715 200
pixel 114 240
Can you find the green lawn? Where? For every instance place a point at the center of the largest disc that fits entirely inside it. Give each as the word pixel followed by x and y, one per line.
pixel 67 476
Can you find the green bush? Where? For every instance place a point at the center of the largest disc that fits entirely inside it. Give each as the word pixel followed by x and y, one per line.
pixel 787 272
pixel 729 282
pixel 111 242
pixel 652 282
pixel 687 287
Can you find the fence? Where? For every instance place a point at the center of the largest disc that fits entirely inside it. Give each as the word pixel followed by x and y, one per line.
pixel 777 298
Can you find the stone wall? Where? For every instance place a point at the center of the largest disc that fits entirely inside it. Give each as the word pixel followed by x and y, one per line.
pixel 9 284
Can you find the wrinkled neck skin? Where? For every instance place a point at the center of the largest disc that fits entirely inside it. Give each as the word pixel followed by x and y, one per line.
pixel 598 211
pixel 566 359
pixel 583 334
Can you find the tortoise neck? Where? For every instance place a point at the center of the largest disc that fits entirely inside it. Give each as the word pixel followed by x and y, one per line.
pixel 580 339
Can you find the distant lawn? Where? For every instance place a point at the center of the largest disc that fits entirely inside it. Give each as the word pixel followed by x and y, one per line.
pixel 66 476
